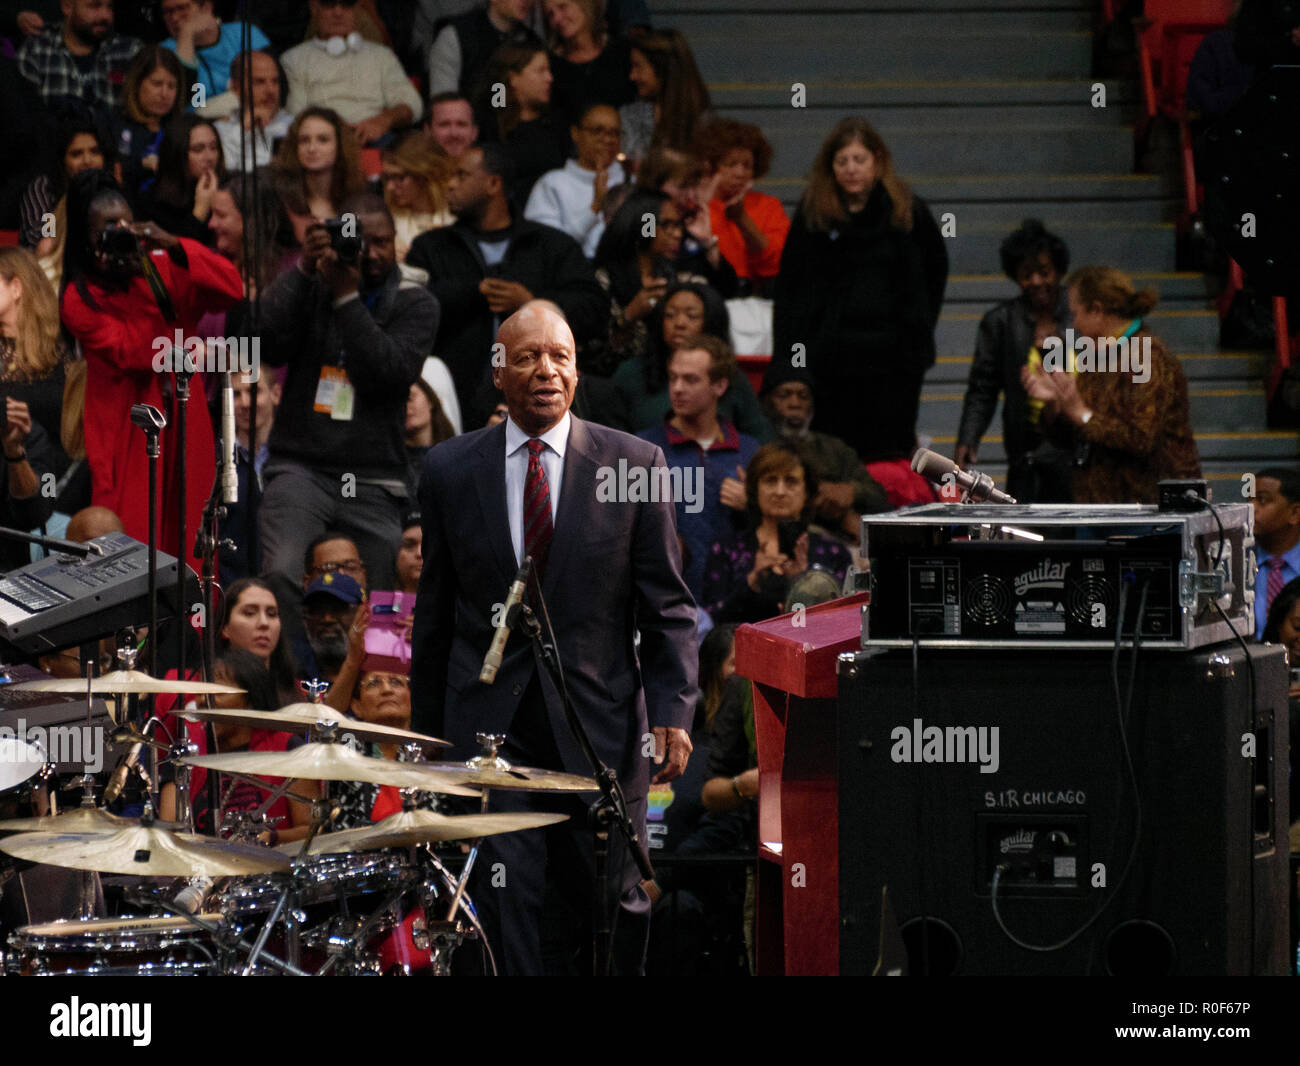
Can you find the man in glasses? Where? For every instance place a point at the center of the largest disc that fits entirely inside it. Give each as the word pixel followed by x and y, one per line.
pixel 363 81
pixel 571 198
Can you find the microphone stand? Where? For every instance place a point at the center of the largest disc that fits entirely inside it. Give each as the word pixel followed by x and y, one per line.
pixel 152 421
pixel 207 543
pixel 609 810
pixel 182 615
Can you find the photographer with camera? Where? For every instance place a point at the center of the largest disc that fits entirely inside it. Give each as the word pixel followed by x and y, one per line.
pixel 354 333
pixel 128 287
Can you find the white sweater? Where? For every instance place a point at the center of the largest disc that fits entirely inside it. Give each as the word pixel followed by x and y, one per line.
pixel 562 198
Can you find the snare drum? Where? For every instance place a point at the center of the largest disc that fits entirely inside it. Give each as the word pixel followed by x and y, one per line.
pixel 115 947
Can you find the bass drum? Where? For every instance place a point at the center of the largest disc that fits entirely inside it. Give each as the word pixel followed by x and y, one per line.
pixel 114 947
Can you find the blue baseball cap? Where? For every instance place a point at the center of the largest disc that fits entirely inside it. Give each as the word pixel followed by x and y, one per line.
pixel 339 585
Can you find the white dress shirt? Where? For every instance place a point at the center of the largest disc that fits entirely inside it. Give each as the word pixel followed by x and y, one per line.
pixel 556 440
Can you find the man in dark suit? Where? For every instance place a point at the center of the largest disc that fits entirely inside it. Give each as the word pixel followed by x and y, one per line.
pixel 609 568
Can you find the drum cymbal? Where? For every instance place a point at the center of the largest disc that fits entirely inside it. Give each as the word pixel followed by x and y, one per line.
pixel 408 828
pixel 147 851
pixel 300 717
pixel 334 762
pixel 514 779
pixel 126 683
pixel 78 820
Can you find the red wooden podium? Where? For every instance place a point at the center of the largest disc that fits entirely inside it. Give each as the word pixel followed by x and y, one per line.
pixel 791 660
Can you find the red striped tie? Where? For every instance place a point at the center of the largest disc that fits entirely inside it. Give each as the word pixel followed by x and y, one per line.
pixel 1275 581
pixel 537 508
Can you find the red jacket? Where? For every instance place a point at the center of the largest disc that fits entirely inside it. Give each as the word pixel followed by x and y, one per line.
pixel 118 343
pixel 770 218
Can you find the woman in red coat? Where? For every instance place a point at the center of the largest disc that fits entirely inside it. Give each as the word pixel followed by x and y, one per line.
pixel 115 289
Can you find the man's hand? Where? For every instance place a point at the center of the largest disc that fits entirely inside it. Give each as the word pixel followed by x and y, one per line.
pixel 371 129
pixel 357 635
pixel 679 748
pixel 834 498
pixel 733 491
pixel 30 23
pixel 504 297
pixel 315 243
pixel 966 455
pixel 342 279
pixel 200 25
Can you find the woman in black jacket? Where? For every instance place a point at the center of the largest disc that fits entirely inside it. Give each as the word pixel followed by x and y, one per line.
pixel 858 294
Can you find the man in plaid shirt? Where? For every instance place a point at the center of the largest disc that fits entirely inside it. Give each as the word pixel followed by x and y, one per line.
pixel 79 64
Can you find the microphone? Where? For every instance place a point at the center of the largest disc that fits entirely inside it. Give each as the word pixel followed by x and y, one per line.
pixel 941 470
pixel 229 477
pixel 492 660
pixel 118 781
pixel 190 898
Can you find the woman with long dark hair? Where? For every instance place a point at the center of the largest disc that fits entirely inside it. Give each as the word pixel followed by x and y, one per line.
pixel 190 170
pixel 672 99
pixel 317 166
pixel 250 621
pixel 639 255
pixel 126 284
pixel 858 294
pixel 688 308
pixel 535 139
pixel 79 146
pixel 152 95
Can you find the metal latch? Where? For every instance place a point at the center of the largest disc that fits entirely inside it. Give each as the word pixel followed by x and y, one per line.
pixel 1193 583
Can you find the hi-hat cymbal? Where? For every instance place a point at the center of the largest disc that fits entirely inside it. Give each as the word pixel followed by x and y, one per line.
pixel 334 762
pixel 127 683
pixel 301 717
pixel 79 820
pixel 408 828
pixel 514 779
pixel 147 851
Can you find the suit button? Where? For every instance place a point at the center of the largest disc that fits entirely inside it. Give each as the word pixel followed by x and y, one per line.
pixel 518 689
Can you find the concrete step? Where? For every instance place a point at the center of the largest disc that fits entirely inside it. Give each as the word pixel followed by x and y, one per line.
pixel 932 22
pixel 1134 247
pixel 852 45
pixel 988 289
pixel 982 149
pixel 879 98
pixel 1182 331
pixel 666 11
pixel 1213 409
pixel 1217 366
pixel 1019 186
pixel 1225 449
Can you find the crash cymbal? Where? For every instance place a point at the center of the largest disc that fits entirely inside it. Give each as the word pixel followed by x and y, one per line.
pixel 147 851
pixel 334 762
pixel 78 820
pixel 514 779
pixel 408 828
pixel 126 683
pixel 301 717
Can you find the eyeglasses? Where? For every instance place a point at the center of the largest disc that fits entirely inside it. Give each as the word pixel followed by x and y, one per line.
pixel 338 3
pixel 608 132
pixel 670 224
pixel 397 681
pixel 348 566
pixel 400 175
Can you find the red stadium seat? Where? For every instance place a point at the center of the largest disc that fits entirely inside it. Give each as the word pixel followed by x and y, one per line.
pixel 1169 32
pixel 370 162
pixel 8 238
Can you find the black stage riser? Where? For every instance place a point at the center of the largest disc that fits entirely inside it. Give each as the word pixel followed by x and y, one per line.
pixel 1210 872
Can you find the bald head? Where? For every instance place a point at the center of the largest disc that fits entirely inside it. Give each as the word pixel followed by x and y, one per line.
pixel 540 370
pixel 92 522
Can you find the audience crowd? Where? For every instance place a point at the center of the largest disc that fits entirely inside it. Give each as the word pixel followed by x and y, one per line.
pixel 363 198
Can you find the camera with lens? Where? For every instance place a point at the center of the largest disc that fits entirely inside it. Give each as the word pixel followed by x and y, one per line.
pixel 347 248
pixel 117 242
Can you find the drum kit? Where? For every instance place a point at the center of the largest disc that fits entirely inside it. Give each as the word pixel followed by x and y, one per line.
pixel 379 899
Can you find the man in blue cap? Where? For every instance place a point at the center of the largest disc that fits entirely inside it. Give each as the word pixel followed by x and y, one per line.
pixel 329 606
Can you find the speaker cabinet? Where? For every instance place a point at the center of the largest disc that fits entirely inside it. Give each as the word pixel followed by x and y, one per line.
pixel 1006 769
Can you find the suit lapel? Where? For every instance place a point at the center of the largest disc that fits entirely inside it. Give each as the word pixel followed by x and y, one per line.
pixel 576 491
pixel 491 484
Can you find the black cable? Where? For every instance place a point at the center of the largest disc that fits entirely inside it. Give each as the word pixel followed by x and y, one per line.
pixel 1122 712
pixel 920 817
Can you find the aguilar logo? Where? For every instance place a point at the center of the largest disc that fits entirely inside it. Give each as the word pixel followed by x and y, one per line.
pixel 1020 841
pixel 1046 574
